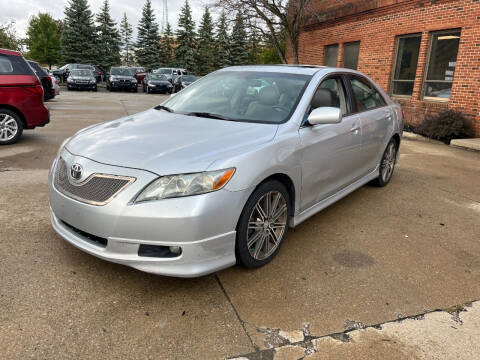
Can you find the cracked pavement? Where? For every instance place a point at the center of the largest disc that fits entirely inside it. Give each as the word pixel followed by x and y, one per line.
pixel 362 279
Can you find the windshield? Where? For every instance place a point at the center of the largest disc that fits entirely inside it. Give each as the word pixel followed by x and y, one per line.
pixel 249 96
pixel 77 72
pixel 164 71
pixel 190 78
pixel 158 77
pixel 122 71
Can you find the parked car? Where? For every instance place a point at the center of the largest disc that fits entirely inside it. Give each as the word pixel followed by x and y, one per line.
pixel 170 73
pixel 47 84
pixel 157 83
pixel 139 73
pixel 21 97
pixel 182 81
pixel 55 84
pixel 216 174
pixel 98 71
pixel 82 79
pixel 63 72
pixel 122 79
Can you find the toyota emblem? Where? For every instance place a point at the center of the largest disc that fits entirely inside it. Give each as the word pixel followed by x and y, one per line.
pixel 76 171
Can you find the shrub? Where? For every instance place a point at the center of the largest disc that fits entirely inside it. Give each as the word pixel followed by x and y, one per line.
pixel 445 126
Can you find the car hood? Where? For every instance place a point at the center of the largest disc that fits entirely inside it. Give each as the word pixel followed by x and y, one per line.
pixel 166 143
pixel 117 77
pixel 82 78
pixel 159 82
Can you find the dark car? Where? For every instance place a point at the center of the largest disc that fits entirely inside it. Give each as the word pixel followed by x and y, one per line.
pixel 122 79
pixel 182 81
pixel 63 72
pixel 140 73
pixel 170 73
pixel 98 71
pixel 45 79
pixel 82 79
pixel 157 83
pixel 21 97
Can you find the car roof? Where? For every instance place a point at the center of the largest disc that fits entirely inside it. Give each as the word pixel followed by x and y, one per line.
pixel 10 52
pixel 291 69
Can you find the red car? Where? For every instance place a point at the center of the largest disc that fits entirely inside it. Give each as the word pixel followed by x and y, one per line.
pixel 139 73
pixel 21 97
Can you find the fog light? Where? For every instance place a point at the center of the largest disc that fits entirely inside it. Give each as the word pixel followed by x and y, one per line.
pixel 175 249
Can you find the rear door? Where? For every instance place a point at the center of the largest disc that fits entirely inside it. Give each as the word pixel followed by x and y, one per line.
pixel 330 159
pixel 375 119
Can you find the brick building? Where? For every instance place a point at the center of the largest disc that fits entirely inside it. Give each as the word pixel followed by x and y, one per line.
pixel 426 54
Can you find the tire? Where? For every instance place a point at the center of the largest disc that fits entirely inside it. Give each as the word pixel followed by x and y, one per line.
pixel 265 238
pixel 387 164
pixel 11 127
pixel 95 88
pixel 135 89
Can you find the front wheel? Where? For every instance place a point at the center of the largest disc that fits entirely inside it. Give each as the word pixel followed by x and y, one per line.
pixel 263 225
pixel 11 127
pixel 387 164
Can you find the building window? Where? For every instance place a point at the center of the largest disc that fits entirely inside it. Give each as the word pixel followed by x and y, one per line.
pixel 331 55
pixel 441 64
pixel 350 55
pixel 408 48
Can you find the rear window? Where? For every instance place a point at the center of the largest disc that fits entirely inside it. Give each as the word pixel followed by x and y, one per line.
pixel 14 65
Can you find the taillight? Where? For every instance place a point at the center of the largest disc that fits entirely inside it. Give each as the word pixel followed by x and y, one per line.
pixel 49 79
pixel 36 89
pixel 99 73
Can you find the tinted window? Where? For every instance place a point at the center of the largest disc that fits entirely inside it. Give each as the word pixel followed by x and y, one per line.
pixel 331 55
pixel 14 65
pixel 408 49
pixel 366 96
pixel 350 55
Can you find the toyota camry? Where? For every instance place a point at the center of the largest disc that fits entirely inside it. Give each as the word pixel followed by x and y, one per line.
pixel 216 174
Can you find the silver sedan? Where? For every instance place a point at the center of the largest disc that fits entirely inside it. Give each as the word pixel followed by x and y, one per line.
pixel 217 174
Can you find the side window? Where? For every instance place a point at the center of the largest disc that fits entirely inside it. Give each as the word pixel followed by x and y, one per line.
pixel 331 92
pixel 6 66
pixel 366 96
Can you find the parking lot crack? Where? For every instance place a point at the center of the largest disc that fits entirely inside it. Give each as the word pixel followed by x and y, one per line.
pixel 242 323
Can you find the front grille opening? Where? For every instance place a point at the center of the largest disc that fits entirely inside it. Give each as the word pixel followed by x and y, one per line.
pixel 97 240
pixel 159 251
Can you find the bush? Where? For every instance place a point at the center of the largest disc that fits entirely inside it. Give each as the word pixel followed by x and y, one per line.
pixel 445 126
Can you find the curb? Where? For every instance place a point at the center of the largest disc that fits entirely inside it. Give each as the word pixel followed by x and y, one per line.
pixel 415 137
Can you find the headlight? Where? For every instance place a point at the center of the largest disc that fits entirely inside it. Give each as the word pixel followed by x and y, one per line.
pixel 185 185
pixel 150 83
pixel 69 79
pixel 62 146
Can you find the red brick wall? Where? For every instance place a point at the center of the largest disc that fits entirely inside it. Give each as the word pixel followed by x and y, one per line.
pixel 376 23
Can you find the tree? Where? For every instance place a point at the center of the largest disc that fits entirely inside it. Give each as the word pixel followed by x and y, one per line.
pixel 148 40
pixel 43 39
pixel 206 45
pixel 8 37
pixel 222 43
pixel 126 38
pixel 273 18
pixel 185 53
pixel 167 47
pixel 239 50
pixel 254 47
pixel 108 38
pixel 78 35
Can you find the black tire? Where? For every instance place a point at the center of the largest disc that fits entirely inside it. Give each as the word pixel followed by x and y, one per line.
pixel 135 89
pixel 19 123
pixel 387 164
pixel 242 251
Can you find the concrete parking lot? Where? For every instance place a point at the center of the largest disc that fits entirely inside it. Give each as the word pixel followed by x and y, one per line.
pixel 376 256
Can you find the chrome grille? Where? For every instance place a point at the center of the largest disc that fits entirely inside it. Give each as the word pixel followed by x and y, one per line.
pixel 97 189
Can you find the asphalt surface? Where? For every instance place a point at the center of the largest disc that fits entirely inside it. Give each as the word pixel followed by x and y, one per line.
pixel 376 256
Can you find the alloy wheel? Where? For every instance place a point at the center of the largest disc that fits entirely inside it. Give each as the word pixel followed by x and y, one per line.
pixel 266 225
pixel 8 127
pixel 388 162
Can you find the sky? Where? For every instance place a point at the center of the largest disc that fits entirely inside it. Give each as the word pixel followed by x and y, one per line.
pixel 21 10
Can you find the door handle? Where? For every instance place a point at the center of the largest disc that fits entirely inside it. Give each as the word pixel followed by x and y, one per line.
pixel 355 129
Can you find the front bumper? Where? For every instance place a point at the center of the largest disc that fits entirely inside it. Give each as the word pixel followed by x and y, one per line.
pixel 159 88
pixel 119 85
pixel 82 85
pixel 203 226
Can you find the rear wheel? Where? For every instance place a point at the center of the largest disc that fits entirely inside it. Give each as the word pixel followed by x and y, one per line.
pixel 387 164
pixel 11 127
pixel 263 225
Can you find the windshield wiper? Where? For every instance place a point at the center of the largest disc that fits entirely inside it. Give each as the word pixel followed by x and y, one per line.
pixel 162 107
pixel 209 115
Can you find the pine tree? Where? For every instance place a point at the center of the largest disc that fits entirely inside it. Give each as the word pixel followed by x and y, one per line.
pixel 148 40
pixel 168 52
pixel 206 45
pixel 126 38
pixel 239 46
pixel 78 33
pixel 108 38
pixel 185 53
pixel 222 42
pixel 254 47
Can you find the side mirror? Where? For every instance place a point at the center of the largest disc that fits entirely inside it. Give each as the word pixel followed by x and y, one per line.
pixel 325 115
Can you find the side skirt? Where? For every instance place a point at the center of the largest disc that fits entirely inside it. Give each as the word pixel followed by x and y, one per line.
pixel 298 219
